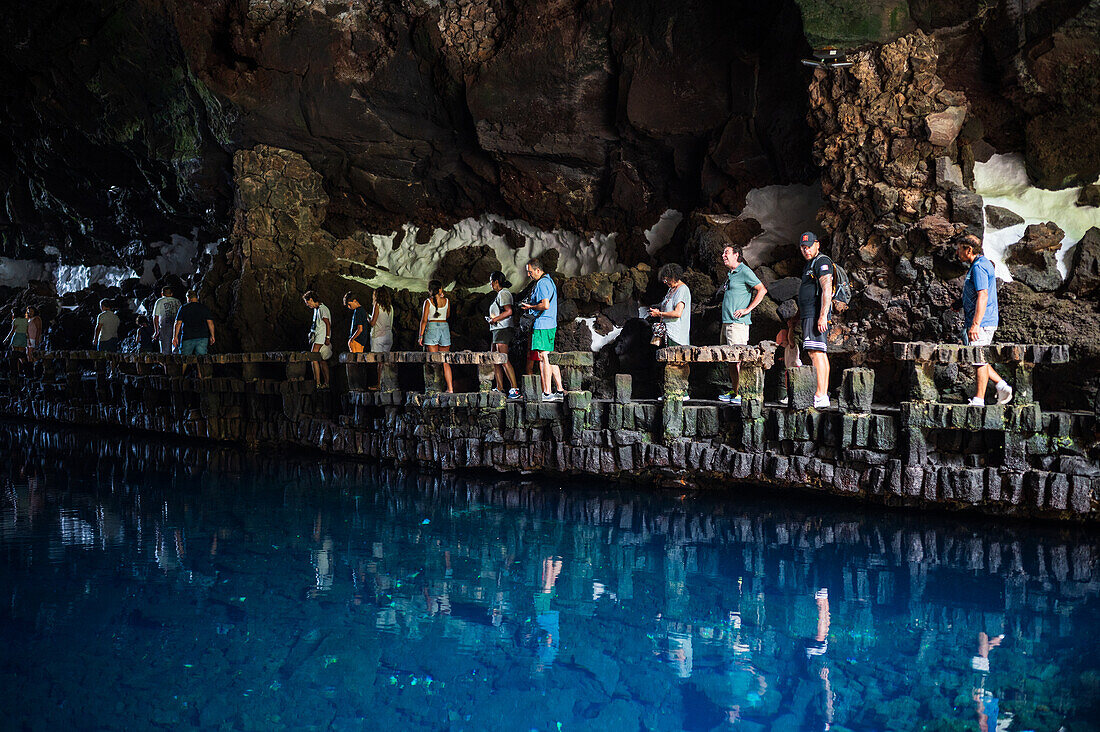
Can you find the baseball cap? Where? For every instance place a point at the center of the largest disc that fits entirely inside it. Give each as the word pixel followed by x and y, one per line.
pixel 807 239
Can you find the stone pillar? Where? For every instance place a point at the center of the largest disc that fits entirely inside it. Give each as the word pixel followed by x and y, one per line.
pixel 751 382
pixel 486 376
pixel 624 385
pixel 532 387
pixel 922 384
pixel 857 390
pixel 801 387
pixel 433 379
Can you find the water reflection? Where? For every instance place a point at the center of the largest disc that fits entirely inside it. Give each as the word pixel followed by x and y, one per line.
pixel 187 587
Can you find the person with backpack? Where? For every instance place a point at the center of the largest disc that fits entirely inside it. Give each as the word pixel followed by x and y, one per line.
pixel 815 300
pixel 741 293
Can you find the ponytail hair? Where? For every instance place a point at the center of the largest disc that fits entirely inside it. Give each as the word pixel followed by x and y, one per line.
pixel 435 289
pixel 499 277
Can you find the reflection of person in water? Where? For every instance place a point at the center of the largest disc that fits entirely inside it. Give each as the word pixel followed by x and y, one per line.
pixel 324 568
pixel 544 634
pixel 987 705
pixel 819 714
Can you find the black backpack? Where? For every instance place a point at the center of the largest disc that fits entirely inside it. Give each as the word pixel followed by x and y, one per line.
pixel 842 286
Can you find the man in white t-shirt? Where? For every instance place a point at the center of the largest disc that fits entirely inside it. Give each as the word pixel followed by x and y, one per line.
pixel 320 337
pixel 164 319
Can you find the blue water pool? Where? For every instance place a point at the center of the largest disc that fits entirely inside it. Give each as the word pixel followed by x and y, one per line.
pixel 153 586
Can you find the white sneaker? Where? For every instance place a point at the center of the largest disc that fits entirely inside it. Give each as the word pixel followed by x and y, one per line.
pixel 821 402
pixel 784 401
pixel 1004 393
pixel 976 402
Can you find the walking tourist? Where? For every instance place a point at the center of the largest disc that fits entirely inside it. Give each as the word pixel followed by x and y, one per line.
pixel 193 331
pixel 320 337
pixel 358 334
pixel 105 337
pixel 34 331
pixel 501 330
pixel 980 315
pixel 17 336
pixel 544 301
pixel 742 292
pixel 146 341
pixel 815 297
pixel 435 333
pixel 381 320
pixel 164 319
pixel 675 310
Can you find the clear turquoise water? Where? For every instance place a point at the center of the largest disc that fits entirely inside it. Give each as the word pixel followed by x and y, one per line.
pixel 151 586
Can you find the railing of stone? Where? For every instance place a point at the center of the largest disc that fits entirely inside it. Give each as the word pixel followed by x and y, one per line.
pixel 373 377
pixel 229 396
pixel 753 360
pixel 925 408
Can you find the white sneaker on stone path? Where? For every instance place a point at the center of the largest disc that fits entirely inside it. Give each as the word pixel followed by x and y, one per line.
pixel 821 402
pixel 976 402
pixel 1004 392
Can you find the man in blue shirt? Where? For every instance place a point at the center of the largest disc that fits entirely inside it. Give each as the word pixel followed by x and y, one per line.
pixel 980 314
pixel 544 301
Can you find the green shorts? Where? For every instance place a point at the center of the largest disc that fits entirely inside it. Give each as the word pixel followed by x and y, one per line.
pixel 543 339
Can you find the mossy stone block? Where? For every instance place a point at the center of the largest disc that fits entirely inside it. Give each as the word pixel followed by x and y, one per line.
pixel 623 387
pixel 857 389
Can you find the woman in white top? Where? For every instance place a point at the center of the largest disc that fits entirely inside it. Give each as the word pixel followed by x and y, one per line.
pixel 675 309
pixel 381 321
pixel 435 334
pixel 501 330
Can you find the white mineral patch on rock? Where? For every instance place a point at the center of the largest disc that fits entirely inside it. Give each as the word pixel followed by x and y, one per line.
pixel 408 265
pixel 18 272
pixel 660 234
pixel 175 257
pixel 74 277
pixel 784 212
pixel 1003 182
pixel 599 341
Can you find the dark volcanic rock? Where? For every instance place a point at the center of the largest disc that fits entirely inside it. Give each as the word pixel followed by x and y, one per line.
pixel 1089 195
pixel 1040 274
pixel 1084 271
pixel 1001 218
pixel 1032 260
pixel 468 266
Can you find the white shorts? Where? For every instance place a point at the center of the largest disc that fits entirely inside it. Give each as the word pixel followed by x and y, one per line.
pixel 985 338
pixel 735 334
pixel 382 345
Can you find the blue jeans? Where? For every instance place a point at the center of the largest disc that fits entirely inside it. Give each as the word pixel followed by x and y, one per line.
pixel 194 346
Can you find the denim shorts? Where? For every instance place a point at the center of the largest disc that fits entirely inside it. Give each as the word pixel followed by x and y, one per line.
pixel 437 333
pixel 194 346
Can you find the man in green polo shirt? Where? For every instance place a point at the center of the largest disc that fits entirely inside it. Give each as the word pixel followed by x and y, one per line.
pixel 744 291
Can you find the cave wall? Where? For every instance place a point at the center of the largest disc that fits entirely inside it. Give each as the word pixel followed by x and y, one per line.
pixel 122 122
